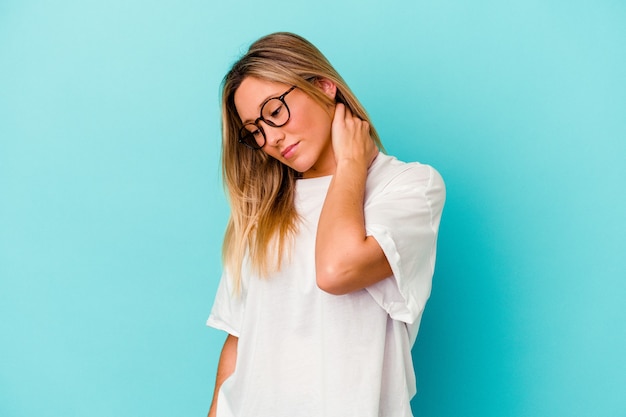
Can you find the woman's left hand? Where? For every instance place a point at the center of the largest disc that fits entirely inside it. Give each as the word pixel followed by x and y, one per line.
pixel 351 138
pixel 346 259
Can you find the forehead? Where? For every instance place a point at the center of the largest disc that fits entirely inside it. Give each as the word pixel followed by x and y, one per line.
pixel 252 93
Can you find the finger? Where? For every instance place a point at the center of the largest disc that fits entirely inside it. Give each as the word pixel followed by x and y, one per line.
pixel 348 113
pixel 340 110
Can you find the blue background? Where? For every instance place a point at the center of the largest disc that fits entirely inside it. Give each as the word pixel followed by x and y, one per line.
pixel 112 209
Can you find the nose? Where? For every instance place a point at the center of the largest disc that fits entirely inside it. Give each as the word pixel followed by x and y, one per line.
pixel 273 135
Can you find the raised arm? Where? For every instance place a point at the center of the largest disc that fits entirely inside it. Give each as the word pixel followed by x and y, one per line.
pixel 346 259
pixel 225 368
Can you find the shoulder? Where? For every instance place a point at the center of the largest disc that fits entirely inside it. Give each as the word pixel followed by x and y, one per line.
pixel 388 173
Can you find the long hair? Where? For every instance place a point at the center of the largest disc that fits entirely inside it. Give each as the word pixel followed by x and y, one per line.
pixel 260 189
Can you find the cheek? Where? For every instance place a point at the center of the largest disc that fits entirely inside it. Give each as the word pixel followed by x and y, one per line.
pixel 314 124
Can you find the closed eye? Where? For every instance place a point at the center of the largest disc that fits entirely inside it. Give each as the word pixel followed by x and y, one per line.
pixel 276 111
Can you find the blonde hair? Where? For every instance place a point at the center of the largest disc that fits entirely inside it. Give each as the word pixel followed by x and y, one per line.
pixel 261 189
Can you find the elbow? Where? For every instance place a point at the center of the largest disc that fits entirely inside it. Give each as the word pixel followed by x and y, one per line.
pixel 331 280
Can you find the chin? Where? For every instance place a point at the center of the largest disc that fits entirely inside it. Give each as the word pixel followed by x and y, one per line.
pixel 301 169
pixel 299 166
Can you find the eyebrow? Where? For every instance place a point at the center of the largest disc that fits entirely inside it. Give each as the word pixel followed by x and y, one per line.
pixel 268 98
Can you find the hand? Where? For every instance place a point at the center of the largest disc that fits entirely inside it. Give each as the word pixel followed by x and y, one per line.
pixel 351 138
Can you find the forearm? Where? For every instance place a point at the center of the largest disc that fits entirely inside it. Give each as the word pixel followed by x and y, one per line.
pixel 225 368
pixel 346 259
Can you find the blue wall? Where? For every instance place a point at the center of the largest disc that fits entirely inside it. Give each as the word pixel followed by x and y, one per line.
pixel 112 211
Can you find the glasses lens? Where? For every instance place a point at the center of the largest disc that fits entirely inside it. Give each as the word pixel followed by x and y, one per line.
pixel 251 135
pixel 275 112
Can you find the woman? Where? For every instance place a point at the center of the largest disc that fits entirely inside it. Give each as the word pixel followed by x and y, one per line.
pixel 329 251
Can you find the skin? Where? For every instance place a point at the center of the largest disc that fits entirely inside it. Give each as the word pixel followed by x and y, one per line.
pixel 225 368
pixel 308 128
pixel 346 259
pixel 319 141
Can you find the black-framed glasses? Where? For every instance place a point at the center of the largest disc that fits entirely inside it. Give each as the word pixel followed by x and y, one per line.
pixel 274 112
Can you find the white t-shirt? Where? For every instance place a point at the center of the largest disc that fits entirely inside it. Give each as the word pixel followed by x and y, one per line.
pixel 304 352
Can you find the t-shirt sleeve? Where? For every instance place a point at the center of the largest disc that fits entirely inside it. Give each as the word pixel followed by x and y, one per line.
pixel 404 218
pixel 228 307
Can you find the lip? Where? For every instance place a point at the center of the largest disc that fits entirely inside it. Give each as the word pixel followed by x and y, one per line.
pixel 289 151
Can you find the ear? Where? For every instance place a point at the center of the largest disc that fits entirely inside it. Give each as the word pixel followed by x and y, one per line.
pixel 327 86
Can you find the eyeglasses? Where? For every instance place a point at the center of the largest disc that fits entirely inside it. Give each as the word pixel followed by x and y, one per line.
pixel 274 112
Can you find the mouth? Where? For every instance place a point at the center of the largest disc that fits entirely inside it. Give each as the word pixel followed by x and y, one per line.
pixel 289 150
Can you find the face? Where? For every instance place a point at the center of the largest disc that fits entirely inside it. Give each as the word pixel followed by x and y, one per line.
pixel 304 142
